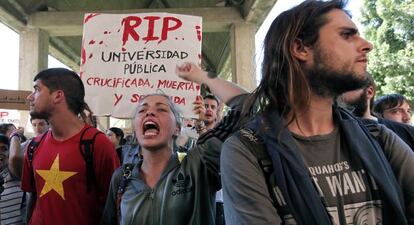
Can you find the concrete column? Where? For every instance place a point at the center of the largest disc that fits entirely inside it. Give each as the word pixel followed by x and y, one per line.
pixel 33 53
pixel 242 53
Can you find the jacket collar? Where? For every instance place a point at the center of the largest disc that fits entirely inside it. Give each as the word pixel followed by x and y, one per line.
pixel 173 162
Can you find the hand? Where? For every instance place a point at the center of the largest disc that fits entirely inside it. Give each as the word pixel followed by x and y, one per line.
pixel 191 72
pixel 199 108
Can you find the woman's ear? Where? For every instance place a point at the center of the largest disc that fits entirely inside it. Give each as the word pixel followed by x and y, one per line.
pixel 300 51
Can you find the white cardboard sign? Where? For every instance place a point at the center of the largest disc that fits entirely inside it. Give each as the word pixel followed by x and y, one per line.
pixel 127 56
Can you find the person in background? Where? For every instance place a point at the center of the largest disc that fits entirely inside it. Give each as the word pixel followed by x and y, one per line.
pixel 393 107
pixel 116 136
pixel 209 119
pixel 12 200
pixel 211 116
pixel 360 102
pixel 17 145
pixel 130 150
pixel 39 125
pixel 7 129
pixel 15 155
pixel 188 135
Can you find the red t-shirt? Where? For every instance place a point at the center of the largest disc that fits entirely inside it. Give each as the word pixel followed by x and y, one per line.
pixel 60 180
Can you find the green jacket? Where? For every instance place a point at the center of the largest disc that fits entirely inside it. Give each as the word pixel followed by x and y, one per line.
pixel 185 193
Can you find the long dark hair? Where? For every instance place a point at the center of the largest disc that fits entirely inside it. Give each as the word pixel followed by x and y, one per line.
pixel 71 84
pixel 284 85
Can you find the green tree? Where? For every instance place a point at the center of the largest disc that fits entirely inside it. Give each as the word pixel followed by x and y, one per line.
pixel 389 25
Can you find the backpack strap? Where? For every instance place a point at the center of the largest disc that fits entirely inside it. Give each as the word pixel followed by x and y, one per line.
pixel 86 147
pixel 126 173
pixel 33 144
pixel 257 148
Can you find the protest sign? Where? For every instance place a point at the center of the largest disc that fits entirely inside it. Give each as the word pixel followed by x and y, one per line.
pixel 13 99
pixel 127 56
pixel 10 116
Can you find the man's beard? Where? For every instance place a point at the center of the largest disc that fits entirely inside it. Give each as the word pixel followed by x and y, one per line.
pixel 328 82
pixel 209 121
pixel 40 115
pixel 358 107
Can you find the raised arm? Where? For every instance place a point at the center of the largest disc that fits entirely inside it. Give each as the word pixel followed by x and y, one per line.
pixel 16 155
pixel 223 89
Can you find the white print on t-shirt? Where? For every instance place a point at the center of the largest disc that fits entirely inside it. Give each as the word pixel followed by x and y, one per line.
pixel 342 184
pixel 329 169
pixel 364 213
pixel 350 182
pixel 349 194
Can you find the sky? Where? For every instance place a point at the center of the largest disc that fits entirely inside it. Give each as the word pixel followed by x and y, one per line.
pixel 9 58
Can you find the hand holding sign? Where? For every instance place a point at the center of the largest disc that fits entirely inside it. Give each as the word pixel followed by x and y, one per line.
pixel 199 108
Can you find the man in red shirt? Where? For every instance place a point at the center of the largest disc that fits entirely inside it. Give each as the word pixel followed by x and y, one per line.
pixel 64 188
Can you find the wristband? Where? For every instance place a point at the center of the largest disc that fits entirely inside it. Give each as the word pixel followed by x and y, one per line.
pixel 15 135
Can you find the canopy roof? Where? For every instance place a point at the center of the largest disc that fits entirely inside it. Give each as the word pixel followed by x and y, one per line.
pixel 62 20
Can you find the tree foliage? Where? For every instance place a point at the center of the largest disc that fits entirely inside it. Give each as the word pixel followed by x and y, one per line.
pixel 389 25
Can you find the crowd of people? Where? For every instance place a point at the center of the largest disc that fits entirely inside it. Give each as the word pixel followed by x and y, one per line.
pixel 310 145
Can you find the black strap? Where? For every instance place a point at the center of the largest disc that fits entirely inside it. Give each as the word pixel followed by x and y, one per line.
pixel 33 144
pixel 86 147
pixel 126 173
pixel 257 148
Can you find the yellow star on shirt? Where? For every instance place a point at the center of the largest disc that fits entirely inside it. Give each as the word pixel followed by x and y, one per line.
pixel 54 178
